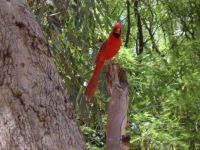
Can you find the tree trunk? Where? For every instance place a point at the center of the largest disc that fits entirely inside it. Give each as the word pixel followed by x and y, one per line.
pixel 117 87
pixel 35 112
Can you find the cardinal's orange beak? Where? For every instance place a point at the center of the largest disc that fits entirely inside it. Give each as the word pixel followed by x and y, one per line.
pixel 117 31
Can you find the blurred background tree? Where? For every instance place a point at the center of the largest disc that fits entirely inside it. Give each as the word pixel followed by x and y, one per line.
pixel 164 80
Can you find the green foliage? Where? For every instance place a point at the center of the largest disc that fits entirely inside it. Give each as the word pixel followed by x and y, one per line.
pixel 164 81
pixel 95 138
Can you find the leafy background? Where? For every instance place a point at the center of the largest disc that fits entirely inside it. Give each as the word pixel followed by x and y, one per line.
pixel 164 81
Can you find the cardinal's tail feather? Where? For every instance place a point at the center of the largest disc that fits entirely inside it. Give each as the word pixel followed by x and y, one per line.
pixel 93 82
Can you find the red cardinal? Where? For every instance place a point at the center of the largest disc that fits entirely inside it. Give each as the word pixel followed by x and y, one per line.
pixel 109 48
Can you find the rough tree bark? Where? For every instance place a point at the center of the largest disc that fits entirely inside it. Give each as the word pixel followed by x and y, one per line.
pixel 35 112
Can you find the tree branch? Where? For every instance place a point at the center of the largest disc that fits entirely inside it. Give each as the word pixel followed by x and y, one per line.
pixel 129 23
pixel 140 43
